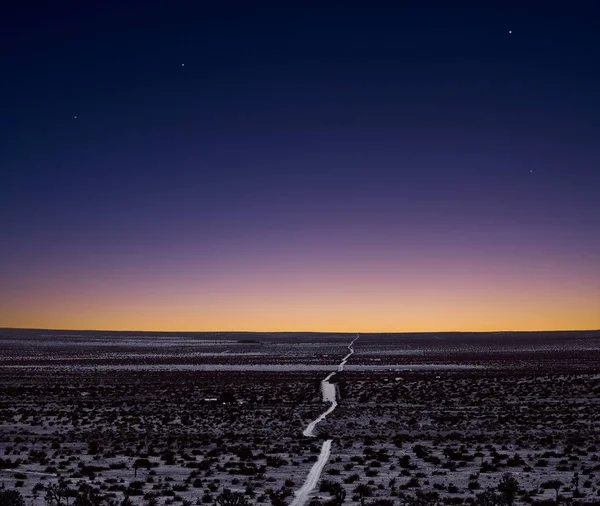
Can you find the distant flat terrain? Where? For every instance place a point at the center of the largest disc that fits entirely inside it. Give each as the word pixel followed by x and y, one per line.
pixel 178 417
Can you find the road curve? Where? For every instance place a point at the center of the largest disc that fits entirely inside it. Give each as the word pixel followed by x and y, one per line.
pixel 329 395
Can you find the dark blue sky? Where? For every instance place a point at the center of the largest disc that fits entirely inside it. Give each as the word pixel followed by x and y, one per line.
pixel 296 132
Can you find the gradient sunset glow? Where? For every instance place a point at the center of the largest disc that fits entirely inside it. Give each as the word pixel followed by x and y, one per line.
pixel 384 173
pixel 412 287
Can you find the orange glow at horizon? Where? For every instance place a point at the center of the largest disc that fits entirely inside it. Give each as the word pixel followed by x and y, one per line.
pixel 329 301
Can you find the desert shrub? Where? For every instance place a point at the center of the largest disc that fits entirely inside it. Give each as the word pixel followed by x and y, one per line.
pixel 352 478
pixel 405 462
pixel 413 483
pixel 508 487
pixel 168 457
pixel 244 453
pixel 515 460
pixel 9 464
pixel 56 494
pixel 275 461
pixel 231 499
pixel 327 486
pixel 89 496
pixel 420 451
pixel 547 484
pixel 453 500
pixel 93 447
pixel 487 467
pixel 383 502
pixel 423 499
pixel 151 501
pixel 363 490
pixel 143 462
pixel 277 498
pixel 11 498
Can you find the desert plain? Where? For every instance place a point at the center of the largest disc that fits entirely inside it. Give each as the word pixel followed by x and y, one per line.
pixel 151 418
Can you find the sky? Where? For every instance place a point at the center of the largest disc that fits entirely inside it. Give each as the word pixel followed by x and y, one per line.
pixel 326 166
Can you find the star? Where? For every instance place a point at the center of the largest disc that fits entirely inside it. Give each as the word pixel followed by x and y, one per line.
pixel 183 64
pixel 510 31
pixel 74 117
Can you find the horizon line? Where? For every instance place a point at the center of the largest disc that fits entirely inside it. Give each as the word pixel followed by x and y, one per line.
pixel 306 331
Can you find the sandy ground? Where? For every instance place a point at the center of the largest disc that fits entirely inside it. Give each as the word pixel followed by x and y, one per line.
pixel 177 418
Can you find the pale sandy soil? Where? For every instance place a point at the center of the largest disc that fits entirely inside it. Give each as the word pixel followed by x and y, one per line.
pixel 422 412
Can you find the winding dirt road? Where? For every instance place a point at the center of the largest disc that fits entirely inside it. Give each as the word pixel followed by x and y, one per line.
pixel 329 395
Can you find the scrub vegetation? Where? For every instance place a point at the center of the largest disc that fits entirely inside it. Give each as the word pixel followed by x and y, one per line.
pixel 423 419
